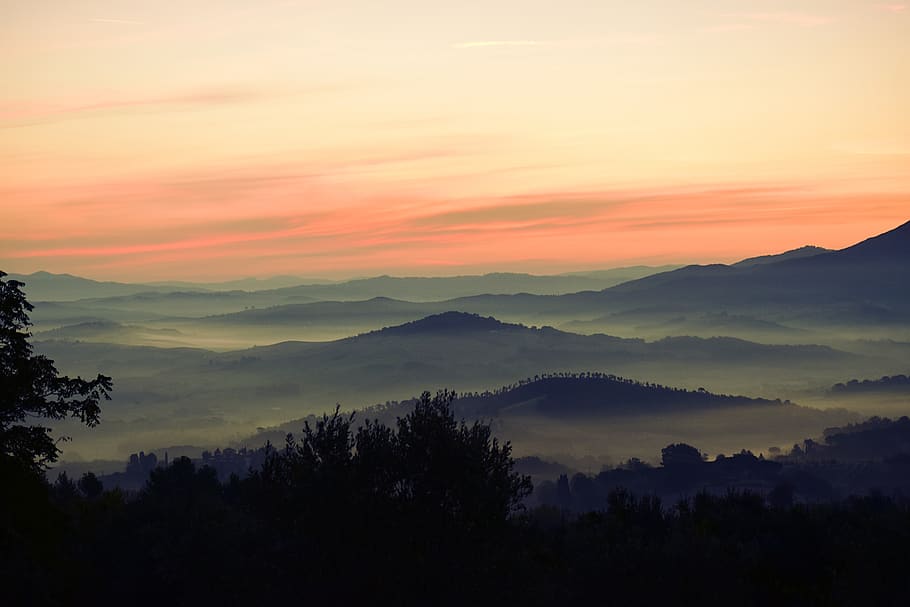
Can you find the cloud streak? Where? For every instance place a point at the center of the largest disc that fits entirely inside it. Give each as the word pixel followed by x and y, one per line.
pixel 26 113
pixel 217 222
pixel 784 17
pixel 619 39
pixel 494 43
pixel 117 21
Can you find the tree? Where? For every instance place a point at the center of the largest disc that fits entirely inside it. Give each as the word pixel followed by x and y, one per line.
pixel 432 467
pixel 90 485
pixel 31 387
pixel 680 454
pixel 458 470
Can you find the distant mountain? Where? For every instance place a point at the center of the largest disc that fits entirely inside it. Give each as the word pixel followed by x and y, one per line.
pixel 427 289
pixel 104 331
pixel 189 394
pixel 462 351
pixel 710 324
pixel 383 310
pixel 242 284
pixel 456 323
pixel 624 274
pixel 54 314
pixel 806 251
pixel 136 303
pixel 185 304
pixel 44 286
pixel 866 283
pixel 315 321
pixel 892 247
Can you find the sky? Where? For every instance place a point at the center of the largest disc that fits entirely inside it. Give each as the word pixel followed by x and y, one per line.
pixel 211 139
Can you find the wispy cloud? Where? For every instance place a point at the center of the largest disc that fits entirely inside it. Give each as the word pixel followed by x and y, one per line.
pixel 616 39
pixel 874 148
pixel 31 112
pixel 219 223
pixel 116 21
pixel 728 27
pixel 489 43
pixel 785 17
pixel 893 8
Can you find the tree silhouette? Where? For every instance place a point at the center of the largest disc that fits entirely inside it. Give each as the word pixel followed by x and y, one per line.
pixel 31 387
pixel 459 470
pixel 680 454
pixel 90 485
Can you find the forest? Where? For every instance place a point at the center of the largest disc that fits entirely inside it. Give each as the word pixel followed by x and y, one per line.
pixel 433 511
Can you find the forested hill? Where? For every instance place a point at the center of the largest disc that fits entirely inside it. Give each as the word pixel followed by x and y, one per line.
pixel 565 395
pixel 451 322
pixel 896 384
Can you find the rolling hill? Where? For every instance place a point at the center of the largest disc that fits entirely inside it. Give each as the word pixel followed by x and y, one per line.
pixel 562 415
pixel 196 396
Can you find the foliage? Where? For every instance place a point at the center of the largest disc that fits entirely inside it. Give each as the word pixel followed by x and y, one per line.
pixel 31 387
pixel 430 465
pixel 680 454
pixel 187 539
pixel 429 512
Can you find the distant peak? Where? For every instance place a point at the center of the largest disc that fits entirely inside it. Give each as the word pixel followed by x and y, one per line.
pixel 451 322
pixel 801 252
pixel 894 244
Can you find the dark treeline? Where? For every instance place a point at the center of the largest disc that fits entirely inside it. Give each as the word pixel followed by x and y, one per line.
pixel 899 384
pixel 430 512
pixel 224 462
pixel 877 438
pixel 780 483
pixel 871 457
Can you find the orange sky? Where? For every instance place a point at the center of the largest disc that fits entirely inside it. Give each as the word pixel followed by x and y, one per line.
pixel 208 140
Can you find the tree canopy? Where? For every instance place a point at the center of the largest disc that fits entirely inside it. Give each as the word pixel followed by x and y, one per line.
pixel 31 388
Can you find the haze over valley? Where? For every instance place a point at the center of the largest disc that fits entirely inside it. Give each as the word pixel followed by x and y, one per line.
pixel 203 365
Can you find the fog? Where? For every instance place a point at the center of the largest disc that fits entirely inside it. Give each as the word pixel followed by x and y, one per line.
pixel 206 365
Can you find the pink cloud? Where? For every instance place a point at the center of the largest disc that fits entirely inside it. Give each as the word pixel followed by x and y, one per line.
pixel 786 17
pixel 264 220
pixel 25 112
pixel 728 27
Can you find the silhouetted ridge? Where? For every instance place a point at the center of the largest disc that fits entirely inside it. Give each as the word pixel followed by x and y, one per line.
pixel 889 383
pixel 876 438
pixel 894 244
pixel 451 322
pixel 866 283
pixel 566 394
pixel 800 253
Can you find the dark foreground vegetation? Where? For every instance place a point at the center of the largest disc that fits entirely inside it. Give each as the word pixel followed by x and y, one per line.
pixel 429 512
